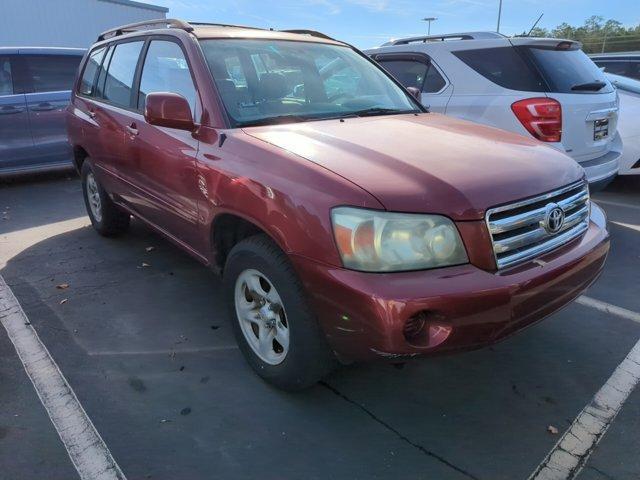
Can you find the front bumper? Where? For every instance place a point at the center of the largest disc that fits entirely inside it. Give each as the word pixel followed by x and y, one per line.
pixel 364 314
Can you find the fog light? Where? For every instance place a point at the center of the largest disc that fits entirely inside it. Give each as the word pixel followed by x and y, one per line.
pixel 426 329
pixel 414 326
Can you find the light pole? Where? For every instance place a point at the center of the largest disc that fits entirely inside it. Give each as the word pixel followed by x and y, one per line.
pixel 499 15
pixel 429 20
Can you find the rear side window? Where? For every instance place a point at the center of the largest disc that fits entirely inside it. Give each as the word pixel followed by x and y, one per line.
pixel 6 78
pixel 119 77
pixel 87 83
pixel 565 71
pixel 52 73
pixel 503 66
pixel 166 70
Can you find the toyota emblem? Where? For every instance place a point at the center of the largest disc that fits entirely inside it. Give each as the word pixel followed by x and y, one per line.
pixel 553 218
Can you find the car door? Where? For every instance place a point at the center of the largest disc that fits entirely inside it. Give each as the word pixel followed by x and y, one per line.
pixel 50 79
pixel 163 160
pixel 112 110
pixel 419 71
pixel 16 143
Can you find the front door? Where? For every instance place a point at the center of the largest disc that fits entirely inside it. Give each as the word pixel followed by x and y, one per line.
pixel 164 159
pixel 16 144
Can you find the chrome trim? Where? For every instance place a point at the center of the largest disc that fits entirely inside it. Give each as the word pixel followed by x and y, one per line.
pixel 530 238
pixel 542 248
pixel 517 221
pixel 539 198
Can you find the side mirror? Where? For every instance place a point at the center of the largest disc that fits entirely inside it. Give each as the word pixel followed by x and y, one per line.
pixel 165 109
pixel 415 93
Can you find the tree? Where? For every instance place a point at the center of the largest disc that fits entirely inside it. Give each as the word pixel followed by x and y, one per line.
pixel 597 35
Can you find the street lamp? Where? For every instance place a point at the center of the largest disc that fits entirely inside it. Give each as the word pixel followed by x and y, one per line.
pixel 499 15
pixel 429 19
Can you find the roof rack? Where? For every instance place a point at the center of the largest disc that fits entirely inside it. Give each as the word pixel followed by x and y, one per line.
pixel 225 25
pixel 150 24
pixel 313 33
pixel 188 27
pixel 447 37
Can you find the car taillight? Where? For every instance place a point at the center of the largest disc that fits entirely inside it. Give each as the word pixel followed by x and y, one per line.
pixel 542 117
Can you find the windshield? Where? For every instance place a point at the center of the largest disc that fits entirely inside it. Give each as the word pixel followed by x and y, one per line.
pixel 265 82
pixel 569 71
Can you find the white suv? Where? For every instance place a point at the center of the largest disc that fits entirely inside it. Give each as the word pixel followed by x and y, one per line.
pixel 547 88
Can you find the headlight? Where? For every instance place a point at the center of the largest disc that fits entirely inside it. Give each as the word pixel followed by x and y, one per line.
pixel 375 241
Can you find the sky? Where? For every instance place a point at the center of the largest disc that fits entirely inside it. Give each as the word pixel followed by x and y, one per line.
pixel 369 23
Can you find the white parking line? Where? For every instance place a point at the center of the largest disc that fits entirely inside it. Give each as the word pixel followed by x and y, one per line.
pixel 83 443
pixel 628 225
pixel 608 308
pixel 570 454
pixel 617 204
pixel 179 351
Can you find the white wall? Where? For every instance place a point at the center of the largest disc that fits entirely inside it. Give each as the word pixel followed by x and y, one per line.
pixel 64 23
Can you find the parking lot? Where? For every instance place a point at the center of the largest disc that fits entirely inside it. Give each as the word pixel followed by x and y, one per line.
pixel 141 334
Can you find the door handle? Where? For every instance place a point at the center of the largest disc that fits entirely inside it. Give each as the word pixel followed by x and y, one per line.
pixel 91 114
pixel 8 110
pixel 42 107
pixel 132 129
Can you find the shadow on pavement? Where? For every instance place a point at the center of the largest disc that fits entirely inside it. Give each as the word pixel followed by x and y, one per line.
pixel 151 355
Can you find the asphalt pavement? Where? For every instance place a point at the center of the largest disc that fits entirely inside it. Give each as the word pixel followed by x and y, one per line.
pixel 142 337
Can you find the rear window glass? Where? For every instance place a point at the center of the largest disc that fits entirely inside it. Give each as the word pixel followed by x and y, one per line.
pixel 52 73
pixel 90 70
pixel 564 70
pixel 122 68
pixel 503 66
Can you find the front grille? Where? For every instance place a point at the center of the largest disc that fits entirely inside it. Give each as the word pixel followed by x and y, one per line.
pixel 520 231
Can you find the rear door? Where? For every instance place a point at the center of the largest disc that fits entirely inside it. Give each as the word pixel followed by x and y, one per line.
pixel 419 71
pixel 50 80
pixel 589 102
pixel 15 137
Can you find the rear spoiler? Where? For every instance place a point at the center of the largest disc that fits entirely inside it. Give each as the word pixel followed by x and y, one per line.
pixel 551 43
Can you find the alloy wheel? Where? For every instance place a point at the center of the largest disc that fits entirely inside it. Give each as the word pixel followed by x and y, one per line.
pixel 93 196
pixel 262 316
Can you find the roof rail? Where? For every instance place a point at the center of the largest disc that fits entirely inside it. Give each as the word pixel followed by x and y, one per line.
pixel 446 37
pixel 313 33
pixel 225 25
pixel 150 24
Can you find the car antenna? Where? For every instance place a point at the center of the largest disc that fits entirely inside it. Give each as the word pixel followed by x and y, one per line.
pixel 534 25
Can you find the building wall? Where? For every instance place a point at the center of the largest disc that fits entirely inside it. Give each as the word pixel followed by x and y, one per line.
pixel 66 23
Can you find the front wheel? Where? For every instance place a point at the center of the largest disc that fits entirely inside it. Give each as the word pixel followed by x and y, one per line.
pixel 274 327
pixel 105 216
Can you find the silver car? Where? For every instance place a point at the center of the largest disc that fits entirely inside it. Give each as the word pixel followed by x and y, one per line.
pixel 35 87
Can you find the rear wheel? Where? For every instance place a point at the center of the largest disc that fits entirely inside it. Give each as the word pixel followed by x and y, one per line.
pixel 273 324
pixel 105 216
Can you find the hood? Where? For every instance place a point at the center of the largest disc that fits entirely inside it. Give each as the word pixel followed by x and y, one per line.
pixel 428 163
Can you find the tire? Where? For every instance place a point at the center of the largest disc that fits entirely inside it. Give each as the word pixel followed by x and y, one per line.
pixel 106 217
pixel 297 355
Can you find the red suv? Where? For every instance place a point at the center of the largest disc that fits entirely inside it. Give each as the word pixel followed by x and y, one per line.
pixel 348 223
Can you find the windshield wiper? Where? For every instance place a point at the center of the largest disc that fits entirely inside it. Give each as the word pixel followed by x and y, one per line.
pixel 590 86
pixel 275 120
pixel 367 112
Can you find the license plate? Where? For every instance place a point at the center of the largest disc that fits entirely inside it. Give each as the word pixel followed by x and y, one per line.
pixel 600 129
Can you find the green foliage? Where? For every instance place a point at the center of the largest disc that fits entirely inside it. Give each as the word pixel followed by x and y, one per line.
pixel 597 35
